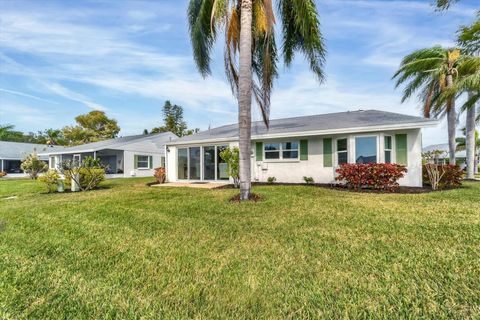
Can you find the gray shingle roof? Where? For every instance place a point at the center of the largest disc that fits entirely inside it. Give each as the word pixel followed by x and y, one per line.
pixel 331 121
pixel 118 143
pixel 444 147
pixel 19 150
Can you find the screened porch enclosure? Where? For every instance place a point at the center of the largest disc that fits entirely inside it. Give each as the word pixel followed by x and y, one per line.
pixel 201 163
pixel 112 159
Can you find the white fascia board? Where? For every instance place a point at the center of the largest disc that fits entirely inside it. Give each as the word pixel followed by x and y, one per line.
pixel 405 126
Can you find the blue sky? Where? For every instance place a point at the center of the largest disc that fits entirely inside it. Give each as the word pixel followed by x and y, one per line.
pixel 59 59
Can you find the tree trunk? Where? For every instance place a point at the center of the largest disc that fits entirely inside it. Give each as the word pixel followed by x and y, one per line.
pixel 451 122
pixel 470 140
pixel 245 97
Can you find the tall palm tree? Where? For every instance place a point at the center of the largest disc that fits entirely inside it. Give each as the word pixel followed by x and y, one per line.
pixel 469 39
pixel 430 72
pixel 462 145
pixel 468 81
pixel 250 53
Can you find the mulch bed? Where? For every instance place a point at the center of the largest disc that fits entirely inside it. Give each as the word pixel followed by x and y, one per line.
pixel 253 197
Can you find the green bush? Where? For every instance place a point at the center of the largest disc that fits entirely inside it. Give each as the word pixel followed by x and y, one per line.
pixel 90 178
pixel 50 178
pixel 271 179
pixel 90 173
pixel 308 180
pixel 33 166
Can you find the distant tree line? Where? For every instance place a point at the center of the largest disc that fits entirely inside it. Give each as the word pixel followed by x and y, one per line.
pixel 95 126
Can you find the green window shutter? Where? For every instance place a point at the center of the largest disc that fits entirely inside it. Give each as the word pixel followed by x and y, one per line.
pixel 401 149
pixel 259 151
pixel 150 162
pixel 135 164
pixel 327 152
pixel 162 162
pixel 303 149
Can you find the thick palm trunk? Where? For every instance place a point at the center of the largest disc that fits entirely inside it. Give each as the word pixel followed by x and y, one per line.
pixel 470 140
pixel 451 122
pixel 245 97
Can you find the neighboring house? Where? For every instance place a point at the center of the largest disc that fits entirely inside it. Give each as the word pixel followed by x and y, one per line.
pixel 444 155
pixel 125 157
pixel 13 153
pixel 310 146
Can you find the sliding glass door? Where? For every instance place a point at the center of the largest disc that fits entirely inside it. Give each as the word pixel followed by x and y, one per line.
pixel 221 165
pixel 194 163
pixel 182 163
pixel 201 163
pixel 209 163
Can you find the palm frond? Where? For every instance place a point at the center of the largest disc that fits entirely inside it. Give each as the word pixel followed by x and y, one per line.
pixel 202 33
pixel 301 32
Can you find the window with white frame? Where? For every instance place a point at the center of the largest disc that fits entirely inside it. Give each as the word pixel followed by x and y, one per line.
pixel 143 162
pixel 53 162
pixel 342 151
pixel 76 158
pixel 281 150
pixel 366 149
pixel 388 149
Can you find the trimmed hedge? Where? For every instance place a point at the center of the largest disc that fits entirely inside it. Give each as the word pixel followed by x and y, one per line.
pixel 377 176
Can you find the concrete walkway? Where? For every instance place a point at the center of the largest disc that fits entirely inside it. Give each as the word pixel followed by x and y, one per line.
pixel 200 185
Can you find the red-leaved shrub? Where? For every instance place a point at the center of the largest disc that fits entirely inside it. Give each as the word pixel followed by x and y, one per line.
pixel 451 176
pixel 378 176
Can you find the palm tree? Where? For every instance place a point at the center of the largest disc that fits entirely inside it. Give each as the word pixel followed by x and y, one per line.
pixel 430 72
pixel 250 53
pixel 6 130
pixel 469 39
pixel 462 144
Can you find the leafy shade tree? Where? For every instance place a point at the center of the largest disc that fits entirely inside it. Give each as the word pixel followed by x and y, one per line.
pixel 33 166
pixel 91 127
pixel 250 53
pixel 173 121
pixel 430 72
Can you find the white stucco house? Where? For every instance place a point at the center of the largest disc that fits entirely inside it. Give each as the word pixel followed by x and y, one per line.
pixel 13 153
pixel 312 146
pixel 130 156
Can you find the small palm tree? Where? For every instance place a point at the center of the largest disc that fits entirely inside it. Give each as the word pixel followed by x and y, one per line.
pixel 251 55
pixel 430 72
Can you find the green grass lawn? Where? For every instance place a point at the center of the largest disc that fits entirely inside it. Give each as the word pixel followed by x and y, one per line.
pixel 132 251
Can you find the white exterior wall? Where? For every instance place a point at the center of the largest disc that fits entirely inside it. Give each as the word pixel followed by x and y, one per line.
pixel 293 171
pixel 129 164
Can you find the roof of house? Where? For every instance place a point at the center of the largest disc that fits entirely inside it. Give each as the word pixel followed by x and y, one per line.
pixel 331 123
pixel 122 143
pixel 19 150
pixel 444 147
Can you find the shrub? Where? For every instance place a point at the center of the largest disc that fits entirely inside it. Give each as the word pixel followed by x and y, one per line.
pixel 232 157
pixel 441 176
pixel 308 180
pixel 50 178
pixel 378 176
pixel 33 166
pixel 2 174
pixel 271 179
pixel 159 174
pixel 90 173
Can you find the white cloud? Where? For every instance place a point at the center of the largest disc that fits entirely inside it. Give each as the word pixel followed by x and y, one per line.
pixel 22 94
